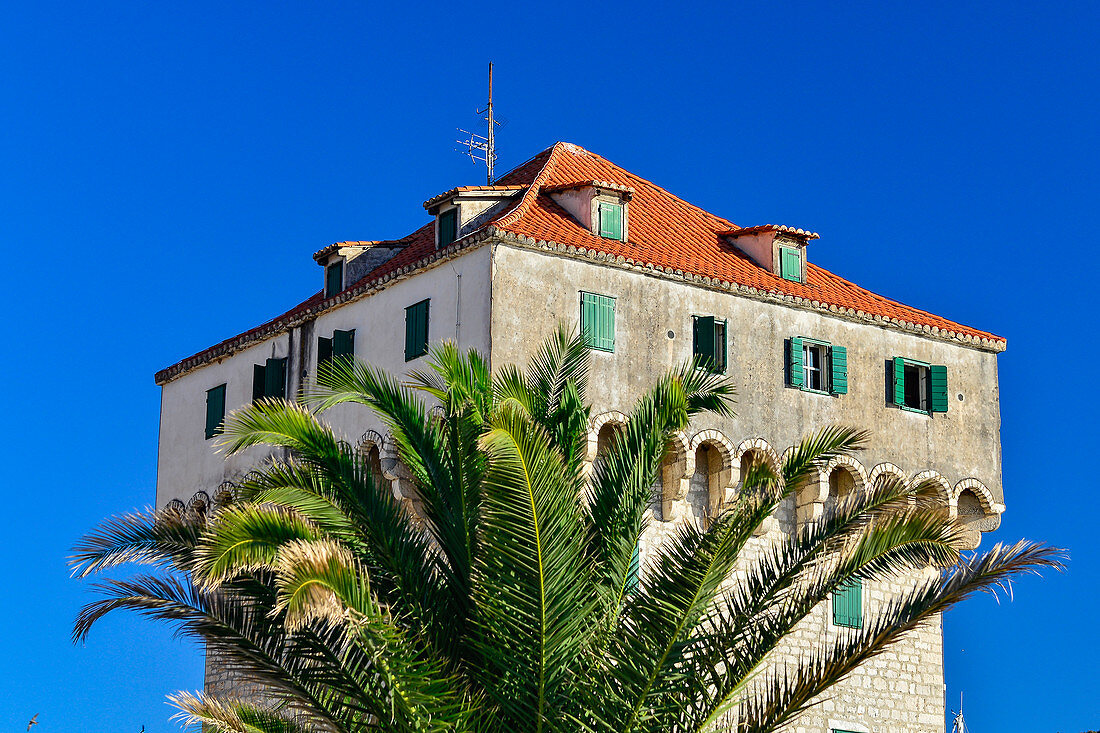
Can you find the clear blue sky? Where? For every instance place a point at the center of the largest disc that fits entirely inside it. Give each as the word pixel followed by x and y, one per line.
pixel 166 170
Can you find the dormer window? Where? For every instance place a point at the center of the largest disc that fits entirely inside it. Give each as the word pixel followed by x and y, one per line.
pixel 448 227
pixel 611 220
pixel 790 264
pixel 334 278
pixel 780 250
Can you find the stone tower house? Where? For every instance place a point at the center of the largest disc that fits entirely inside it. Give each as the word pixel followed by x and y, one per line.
pixel 569 236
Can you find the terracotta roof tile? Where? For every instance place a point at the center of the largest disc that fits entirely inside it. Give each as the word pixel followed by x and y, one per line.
pixel 665 232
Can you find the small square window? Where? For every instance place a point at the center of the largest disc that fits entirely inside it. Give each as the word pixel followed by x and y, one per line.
pixel 448 227
pixel 611 220
pixel 790 264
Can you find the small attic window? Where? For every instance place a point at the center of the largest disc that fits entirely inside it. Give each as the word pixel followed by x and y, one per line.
pixel 790 264
pixel 611 220
pixel 334 278
pixel 448 227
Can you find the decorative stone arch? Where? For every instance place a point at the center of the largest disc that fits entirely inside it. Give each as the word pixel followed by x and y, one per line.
pixel 975 510
pixel 719 472
pixel 815 496
pixel 943 487
pixel 756 449
pixel 596 425
pixel 757 446
pixel 886 469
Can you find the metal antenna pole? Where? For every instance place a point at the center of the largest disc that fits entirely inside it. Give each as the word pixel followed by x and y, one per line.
pixel 482 148
pixel 491 153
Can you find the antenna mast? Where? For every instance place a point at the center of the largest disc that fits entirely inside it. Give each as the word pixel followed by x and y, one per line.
pixel 483 147
pixel 959 725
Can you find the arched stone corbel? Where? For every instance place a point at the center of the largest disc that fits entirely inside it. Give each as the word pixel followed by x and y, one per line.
pixel 976 510
pixel 676 472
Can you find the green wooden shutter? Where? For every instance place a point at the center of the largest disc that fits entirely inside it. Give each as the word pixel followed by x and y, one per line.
pixel 899 380
pixel 334 279
pixel 795 362
pixel 607 323
pixel 633 574
pixel 343 344
pixel 275 378
pixel 839 358
pixel 416 330
pixel 215 410
pixel 720 347
pixel 938 378
pixel 611 221
pixel 598 321
pixel 448 227
pixel 324 351
pixel 790 264
pixel 704 340
pixel 259 381
pixel 848 604
pixel 588 319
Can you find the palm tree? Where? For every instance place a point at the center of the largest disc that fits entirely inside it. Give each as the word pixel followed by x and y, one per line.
pixel 511 603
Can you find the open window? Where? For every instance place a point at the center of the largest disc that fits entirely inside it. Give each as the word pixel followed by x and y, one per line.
pixel 341 345
pixel 708 342
pixel 269 379
pixel 919 386
pixel 818 366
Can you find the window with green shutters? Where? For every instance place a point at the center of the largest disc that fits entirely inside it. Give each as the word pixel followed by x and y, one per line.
pixel 598 321
pixel 269 379
pixel 334 279
pixel 448 227
pixel 611 220
pixel 342 344
pixel 215 410
pixel 790 264
pixel 848 605
pixel 919 386
pixel 708 340
pixel 416 330
pixel 817 366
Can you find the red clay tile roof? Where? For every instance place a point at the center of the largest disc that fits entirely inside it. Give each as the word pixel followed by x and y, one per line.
pixel 665 233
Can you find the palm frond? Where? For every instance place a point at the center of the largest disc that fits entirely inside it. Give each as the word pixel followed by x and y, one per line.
pixel 533 595
pixel 206 712
pixel 782 694
pixel 162 538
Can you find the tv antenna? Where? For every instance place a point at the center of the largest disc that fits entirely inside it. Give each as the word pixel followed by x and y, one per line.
pixel 482 148
pixel 959 726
